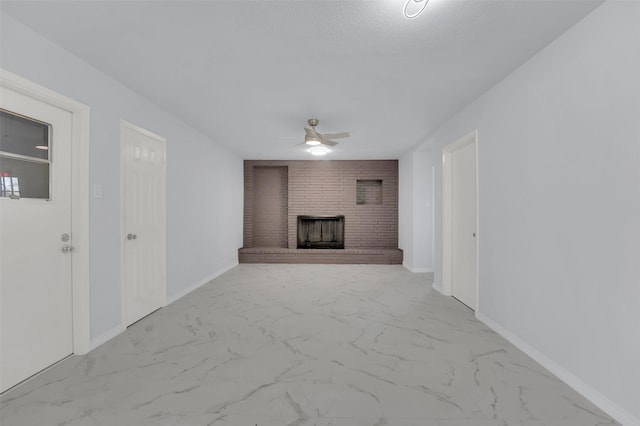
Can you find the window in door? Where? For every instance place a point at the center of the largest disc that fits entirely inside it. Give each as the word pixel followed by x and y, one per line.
pixel 25 157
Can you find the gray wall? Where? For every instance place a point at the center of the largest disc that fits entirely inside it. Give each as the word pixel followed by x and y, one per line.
pixel 204 180
pixel 415 231
pixel 559 182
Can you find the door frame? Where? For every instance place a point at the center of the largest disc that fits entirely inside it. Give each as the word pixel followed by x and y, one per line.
pixel 123 293
pixel 80 167
pixel 447 212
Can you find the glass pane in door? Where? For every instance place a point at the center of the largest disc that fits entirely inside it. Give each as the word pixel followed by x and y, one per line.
pixel 24 136
pixel 23 179
pixel 25 157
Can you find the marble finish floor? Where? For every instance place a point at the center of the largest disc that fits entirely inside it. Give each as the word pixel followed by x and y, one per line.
pixel 276 345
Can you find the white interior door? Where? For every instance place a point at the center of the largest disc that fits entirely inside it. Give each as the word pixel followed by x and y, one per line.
pixel 144 219
pixel 35 236
pixel 464 216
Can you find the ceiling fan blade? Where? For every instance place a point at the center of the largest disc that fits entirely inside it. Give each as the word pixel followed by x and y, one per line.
pixel 328 142
pixel 301 143
pixel 336 135
pixel 310 132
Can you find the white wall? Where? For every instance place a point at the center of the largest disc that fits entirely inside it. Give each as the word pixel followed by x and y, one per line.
pixel 415 210
pixel 204 180
pixel 559 182
pixel 405 209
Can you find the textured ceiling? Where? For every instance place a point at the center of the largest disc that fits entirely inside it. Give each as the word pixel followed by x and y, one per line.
pixel 250 73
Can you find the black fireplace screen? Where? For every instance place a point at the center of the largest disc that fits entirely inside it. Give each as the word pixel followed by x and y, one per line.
pixel 321 232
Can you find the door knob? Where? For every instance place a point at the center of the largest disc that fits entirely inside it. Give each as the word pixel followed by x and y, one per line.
pixel 131 236
pixel 67 249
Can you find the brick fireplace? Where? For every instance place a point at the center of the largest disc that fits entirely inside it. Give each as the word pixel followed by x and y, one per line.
pixel 348 211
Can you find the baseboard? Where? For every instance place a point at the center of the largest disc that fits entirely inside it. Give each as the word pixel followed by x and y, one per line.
pixel 185 291
pixel 437 286
pixel 605 404
pixel 417 270
pixel 106 336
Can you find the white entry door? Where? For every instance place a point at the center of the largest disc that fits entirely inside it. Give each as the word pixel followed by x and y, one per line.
pixel 144 223
pixel 464 216
pixel 35 236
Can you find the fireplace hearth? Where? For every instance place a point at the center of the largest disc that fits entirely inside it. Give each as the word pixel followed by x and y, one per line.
pixel 321 232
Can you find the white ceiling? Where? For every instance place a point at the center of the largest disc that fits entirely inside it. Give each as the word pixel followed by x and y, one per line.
pixel 250 73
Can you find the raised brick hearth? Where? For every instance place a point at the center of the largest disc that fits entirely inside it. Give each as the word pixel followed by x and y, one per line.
pixel 363 194
pixel 350 256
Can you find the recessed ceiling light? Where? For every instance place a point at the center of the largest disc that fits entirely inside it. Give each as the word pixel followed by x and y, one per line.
pixel 319 150
pixel 413 8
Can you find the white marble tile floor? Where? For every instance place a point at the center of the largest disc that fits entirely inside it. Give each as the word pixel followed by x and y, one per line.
pixel 303 345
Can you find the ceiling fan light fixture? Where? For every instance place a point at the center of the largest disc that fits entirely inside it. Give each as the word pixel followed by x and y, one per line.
pixel 413 8
pixel 319 150
pixel 311 140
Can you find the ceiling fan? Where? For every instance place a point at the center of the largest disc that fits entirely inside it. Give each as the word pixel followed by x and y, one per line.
pixel 313 138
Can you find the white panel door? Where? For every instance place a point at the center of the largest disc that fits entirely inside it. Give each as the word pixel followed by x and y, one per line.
pixel 463 203
pixel 35 215
pixel 144 218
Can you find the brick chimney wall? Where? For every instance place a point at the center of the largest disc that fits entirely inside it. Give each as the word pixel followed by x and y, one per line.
pixel 322 188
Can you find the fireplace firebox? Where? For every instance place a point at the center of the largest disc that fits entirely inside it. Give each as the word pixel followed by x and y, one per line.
pixel 321 232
